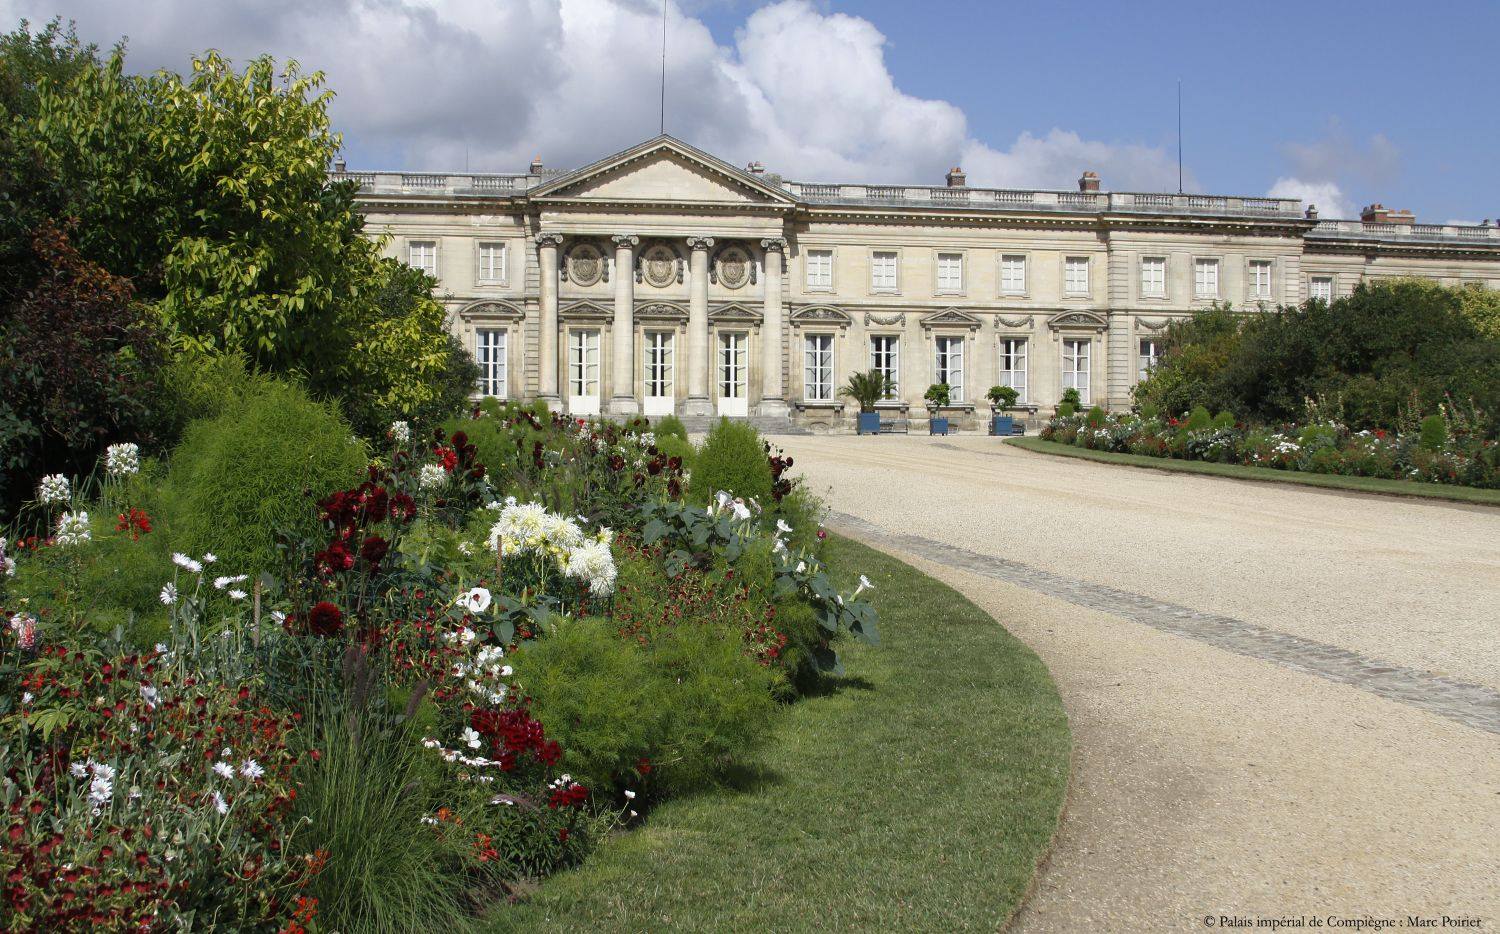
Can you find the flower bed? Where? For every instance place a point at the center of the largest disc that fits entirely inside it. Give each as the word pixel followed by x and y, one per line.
pixel 1434 454
pixel 510 638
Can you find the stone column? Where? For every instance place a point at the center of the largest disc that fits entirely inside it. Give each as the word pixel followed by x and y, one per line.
pixel 547 245
pixel 622 367
pixel 698 402
pixel 773 381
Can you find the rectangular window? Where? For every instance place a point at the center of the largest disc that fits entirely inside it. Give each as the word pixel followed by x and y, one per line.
pixel 1320 288
pixel 950 272
pixel 1076 366
pixel 1260 278
pixel 1013 365
pixel 949 366
pixel 1206 278
pixel 817 374
pixel 883 271
pixel 731 366
pixel 1013 275
pixel 820 269
pixel 583 364
pixel 885 358
pixel 1154 276
pixel 1150 352
pixel 491 262
pixel 489 353
pixel 659 364
pixel 1076 275
pixel 422 254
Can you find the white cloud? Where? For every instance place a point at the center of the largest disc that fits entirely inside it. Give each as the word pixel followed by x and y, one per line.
pixel 1059 158
pixel 1329 198
pixel 441 84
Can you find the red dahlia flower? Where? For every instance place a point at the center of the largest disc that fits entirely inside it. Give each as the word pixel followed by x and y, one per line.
pixel 325 619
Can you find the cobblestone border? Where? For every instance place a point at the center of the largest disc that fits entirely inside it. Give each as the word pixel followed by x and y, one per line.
pixel 1473 705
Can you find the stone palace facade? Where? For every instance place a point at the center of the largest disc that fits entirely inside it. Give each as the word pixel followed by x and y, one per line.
pixel 662 279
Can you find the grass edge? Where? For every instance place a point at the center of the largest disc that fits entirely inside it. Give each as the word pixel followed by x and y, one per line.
pixel 1377 486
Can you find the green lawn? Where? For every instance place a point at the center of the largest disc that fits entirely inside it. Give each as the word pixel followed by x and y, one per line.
pixel 1461 494
pixel 918 796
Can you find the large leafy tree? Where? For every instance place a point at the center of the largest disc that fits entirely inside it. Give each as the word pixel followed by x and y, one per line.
pixel 209 191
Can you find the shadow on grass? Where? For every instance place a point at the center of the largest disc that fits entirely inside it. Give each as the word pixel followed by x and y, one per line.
pixel 833 685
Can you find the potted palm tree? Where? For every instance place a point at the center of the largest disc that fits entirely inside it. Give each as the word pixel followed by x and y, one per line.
pixel 867 389
pixel 937 398
pixel 1001 399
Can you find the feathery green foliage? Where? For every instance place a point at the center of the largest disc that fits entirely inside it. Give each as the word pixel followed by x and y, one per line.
pixel 733 459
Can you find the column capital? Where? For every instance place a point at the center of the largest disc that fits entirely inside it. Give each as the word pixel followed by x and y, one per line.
pixel 700 243
pixel 774 243
pixel 626 240
pixel 549 239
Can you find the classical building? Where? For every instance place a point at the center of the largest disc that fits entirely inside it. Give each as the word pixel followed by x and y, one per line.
pixel 662 279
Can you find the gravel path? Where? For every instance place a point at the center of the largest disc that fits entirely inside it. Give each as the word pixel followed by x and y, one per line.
pixel 1285 702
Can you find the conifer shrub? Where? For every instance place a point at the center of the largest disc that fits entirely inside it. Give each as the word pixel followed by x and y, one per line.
pixel 669 425
pixel 1095 417
pixel 733 459
pixel 1224 420
pixel 238 479
pixel 1434 432
pixel 1198 419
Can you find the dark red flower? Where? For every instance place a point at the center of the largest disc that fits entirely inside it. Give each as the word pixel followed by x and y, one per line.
pixel 325 619
pixel 374 549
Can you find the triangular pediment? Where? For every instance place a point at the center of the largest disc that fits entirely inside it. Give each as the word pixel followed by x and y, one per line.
pixel 735 312
pixel 663 169
pixel 585 311
pixel 950 317
pixel 1081 320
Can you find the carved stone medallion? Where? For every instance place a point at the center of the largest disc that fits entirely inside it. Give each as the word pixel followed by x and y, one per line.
pixel 585 264
pixel 734 268
pixel 659 266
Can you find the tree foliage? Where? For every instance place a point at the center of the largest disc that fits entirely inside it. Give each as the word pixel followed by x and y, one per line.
pixel 77 356
pixel 1382 357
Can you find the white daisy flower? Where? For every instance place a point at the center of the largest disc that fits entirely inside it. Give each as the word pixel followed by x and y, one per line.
pixel 168 597
pixel 186 563
pixel 252 769
pixel 224 769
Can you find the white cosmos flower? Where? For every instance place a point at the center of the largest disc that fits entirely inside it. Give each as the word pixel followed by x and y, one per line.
pixel 252 769
pixel 186 563
pixel 224 769
pixel 471 738
pixel 220 804
pixel 221 582
pixel 168 596
pixel 476 600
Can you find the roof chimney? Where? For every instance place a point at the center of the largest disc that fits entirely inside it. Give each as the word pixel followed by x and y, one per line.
pixel 956 177
pixel 1378 213
pixel 1089 182
pixel 756 168
pixel 340 166
pixel 536 166
pixel 1312 212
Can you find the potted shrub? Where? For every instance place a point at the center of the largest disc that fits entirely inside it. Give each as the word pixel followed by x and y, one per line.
pixel 867 389
pixel 936 397
pixel 1001 399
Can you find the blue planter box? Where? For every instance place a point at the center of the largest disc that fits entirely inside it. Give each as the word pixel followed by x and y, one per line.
pixel 869 423
pixel 1002 425
pixel 937 425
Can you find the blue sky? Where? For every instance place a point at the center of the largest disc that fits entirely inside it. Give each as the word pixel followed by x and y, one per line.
pixel 1259 79
pixel 1340 103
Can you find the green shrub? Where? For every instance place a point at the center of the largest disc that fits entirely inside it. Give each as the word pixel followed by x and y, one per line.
pixel 1065 409
pixel 1149 410
pixel 1095 417
pixel 674 446
pixel 197 385
pixel 239 478
pixel 1224 420
pixel 690 701
pixel 713 704
pixel 733 459
pixel 1071 396
pixel 669 425
pixel 1198 419
pixel 1434 432
pixel 591 689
